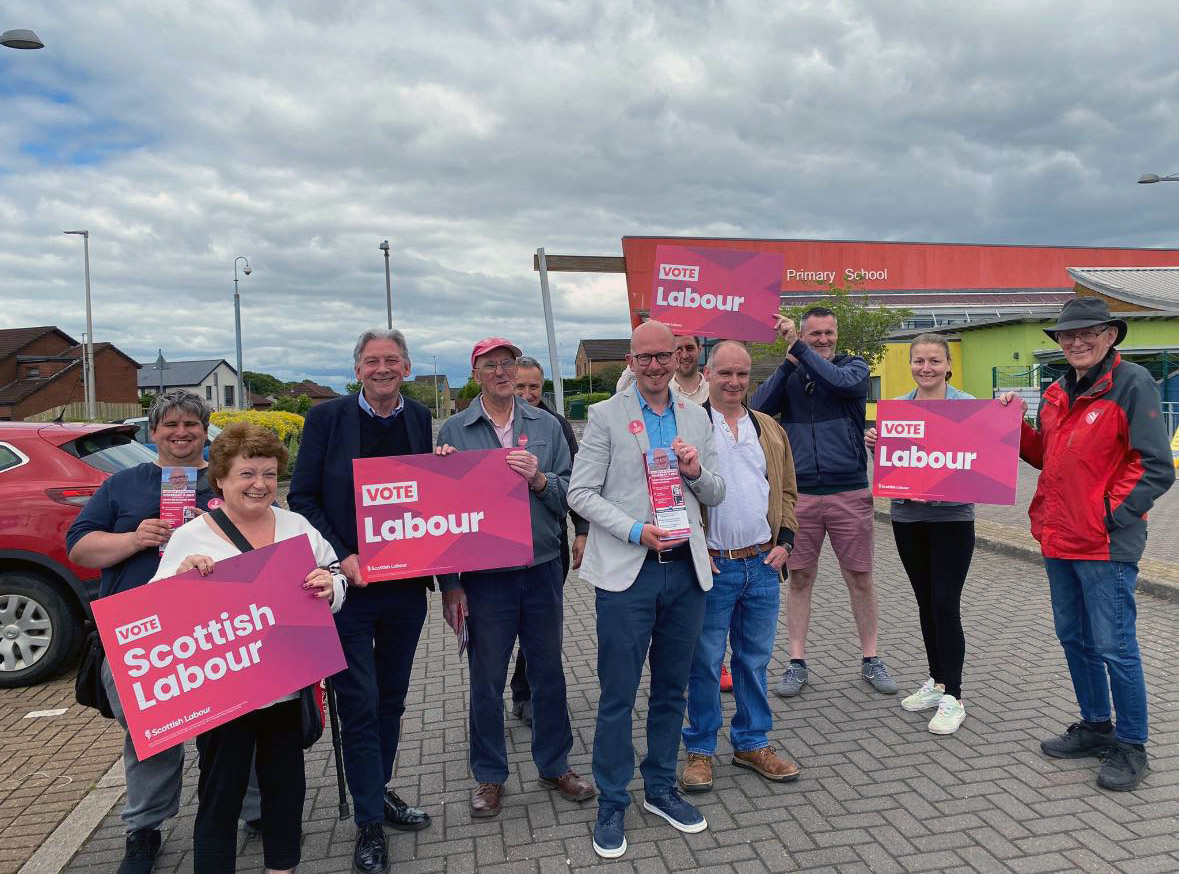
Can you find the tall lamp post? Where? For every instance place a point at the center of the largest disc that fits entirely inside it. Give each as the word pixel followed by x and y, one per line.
pixel 1151 178
pixel 88 349
pixel 384 247
pixel 437 396
pixel 237 323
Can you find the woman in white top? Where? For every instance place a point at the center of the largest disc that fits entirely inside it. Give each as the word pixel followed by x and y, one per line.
pixel 244 465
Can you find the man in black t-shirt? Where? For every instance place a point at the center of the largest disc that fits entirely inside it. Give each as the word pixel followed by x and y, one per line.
pixel 120 531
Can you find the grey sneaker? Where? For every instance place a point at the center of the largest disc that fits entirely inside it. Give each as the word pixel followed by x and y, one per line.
pixel 792 681
pixel 876 673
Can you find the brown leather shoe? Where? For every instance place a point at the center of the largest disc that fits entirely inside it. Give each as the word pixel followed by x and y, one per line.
pixel 767 763
pixel 570 786
pixel 486 799
pixel 697 775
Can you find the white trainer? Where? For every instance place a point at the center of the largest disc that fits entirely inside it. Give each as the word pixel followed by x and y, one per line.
pixel 949 716
pixel 924 698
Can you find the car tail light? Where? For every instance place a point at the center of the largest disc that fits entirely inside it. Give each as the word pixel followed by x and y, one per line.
pixel 75 497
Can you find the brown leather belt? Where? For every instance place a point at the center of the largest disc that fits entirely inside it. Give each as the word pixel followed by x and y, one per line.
pixel 743 552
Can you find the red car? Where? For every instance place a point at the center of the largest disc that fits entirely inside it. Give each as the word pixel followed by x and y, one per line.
pixel 47 472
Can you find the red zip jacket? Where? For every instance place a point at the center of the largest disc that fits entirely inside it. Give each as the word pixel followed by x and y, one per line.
pixel 1104 462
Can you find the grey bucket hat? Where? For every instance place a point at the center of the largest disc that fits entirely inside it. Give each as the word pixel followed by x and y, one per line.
pixel 1086 312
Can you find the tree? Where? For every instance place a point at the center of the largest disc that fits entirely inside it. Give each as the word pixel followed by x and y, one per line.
pixel 146 400
pixel 863 327
pixel 352 388
pixel 470 390
pixel 292 404
pixel 264 384
pixel 421 393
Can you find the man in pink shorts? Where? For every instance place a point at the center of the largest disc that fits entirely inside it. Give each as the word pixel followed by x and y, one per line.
pixel 819 396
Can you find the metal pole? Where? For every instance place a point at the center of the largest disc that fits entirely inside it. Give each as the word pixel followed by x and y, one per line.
pixel 554 362
pixel 437 397
pixel 91 398
pixel 337 751
pixel 237 324
pixel 384 247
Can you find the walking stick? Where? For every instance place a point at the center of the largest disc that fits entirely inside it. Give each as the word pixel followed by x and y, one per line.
pixel 337 749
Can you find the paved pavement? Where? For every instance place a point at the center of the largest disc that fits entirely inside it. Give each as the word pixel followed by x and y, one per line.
pixel 878 793
pixel 48 763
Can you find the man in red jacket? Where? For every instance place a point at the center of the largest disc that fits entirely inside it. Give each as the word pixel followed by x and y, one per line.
pixel 1102 448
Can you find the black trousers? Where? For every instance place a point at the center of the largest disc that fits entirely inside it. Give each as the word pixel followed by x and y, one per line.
pixel 275 733
pixel 936 556
pixel 521 691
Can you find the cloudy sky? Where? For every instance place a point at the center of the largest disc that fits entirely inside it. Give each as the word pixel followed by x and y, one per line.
pixel 301 134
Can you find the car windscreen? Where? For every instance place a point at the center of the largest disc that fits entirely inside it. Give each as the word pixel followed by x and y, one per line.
pixel 109 451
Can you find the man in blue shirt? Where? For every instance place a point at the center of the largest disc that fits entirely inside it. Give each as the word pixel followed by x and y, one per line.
pixel 120 531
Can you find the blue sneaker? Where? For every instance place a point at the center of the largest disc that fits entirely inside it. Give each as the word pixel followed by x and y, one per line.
pixel 609 832
pixel 675 810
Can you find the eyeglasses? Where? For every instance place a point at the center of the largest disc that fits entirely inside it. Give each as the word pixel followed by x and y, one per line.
pixel 1064 338
pixel 644 358
pixel 508 365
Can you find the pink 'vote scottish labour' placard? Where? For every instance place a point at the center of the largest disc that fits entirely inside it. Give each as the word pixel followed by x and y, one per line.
pixel 954 450
pixel 189 653
pixel 729 293
pixel 418 515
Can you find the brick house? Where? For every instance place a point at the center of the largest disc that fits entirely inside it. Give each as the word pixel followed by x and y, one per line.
pixel 426 382
pixel 318 393
pixel 41 370
pixel 595 355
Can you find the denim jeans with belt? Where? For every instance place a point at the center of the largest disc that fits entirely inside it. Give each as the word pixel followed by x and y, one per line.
pixel 1095 614
pixel 742 607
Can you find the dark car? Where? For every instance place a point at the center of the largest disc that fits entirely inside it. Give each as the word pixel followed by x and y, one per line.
pixel 47 472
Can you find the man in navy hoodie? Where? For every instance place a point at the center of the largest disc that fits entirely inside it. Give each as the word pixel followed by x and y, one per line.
pixel 819 396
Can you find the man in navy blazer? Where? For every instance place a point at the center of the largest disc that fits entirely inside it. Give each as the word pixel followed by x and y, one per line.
pixel 379 625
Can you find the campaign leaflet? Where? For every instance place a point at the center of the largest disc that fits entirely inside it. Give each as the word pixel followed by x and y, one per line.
pixel 666 487
pixel 950 450
pixel 189 653
pixel 178 502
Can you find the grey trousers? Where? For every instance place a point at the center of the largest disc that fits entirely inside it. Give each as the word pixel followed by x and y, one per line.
pixel 153 785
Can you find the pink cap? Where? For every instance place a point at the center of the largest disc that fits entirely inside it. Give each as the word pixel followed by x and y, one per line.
pixel 485 346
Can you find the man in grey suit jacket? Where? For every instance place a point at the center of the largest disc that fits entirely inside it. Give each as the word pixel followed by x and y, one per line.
pixel 650 590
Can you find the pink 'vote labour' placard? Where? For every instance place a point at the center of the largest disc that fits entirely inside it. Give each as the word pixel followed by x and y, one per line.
pixel 418 515
pixel 952 450
pixel 189 653
pixel 729 293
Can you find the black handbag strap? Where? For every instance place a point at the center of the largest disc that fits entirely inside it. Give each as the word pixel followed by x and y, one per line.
pixel 231 531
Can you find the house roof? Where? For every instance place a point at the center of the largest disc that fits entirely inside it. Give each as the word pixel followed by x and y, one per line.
pixel 1156 287
pixel 605 350
pixel 12 340
pixel 179 373
pixel 312 390
pixel 19 389
pixel 429 380
pixel 950 330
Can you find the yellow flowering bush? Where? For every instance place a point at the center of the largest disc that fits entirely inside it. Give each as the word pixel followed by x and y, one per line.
pixel 288 426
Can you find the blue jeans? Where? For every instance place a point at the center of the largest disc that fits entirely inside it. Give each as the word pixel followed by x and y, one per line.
pixel 662 612
pixel 504 605
pixel 1094 610
pixel 743 607
pixel 379 626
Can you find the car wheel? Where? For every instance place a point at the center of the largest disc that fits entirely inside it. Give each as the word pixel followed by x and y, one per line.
pixel 39 633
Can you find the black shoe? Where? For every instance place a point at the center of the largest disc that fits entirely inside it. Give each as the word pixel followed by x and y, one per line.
pixel 523 710
pixel 1122 768
pixel 143 845
pixel 372 852
pixel 253 828
pixel 1078 742
pixel 401 816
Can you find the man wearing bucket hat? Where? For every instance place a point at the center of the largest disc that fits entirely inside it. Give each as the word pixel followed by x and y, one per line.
pixel 1101 446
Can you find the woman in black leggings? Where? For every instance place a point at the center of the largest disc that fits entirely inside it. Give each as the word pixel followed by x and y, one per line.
pixel 935 540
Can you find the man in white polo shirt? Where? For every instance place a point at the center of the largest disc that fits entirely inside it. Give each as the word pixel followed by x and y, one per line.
pixel 750 535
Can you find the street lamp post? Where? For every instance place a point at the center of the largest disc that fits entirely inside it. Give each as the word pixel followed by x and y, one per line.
pixel 88 348
pixel 437 396
pixel 237 323
pixel 384 247
pixel 1151 178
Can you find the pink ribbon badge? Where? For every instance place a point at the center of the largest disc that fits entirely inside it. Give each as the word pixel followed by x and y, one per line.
pixel 214 503
pixel 636 427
